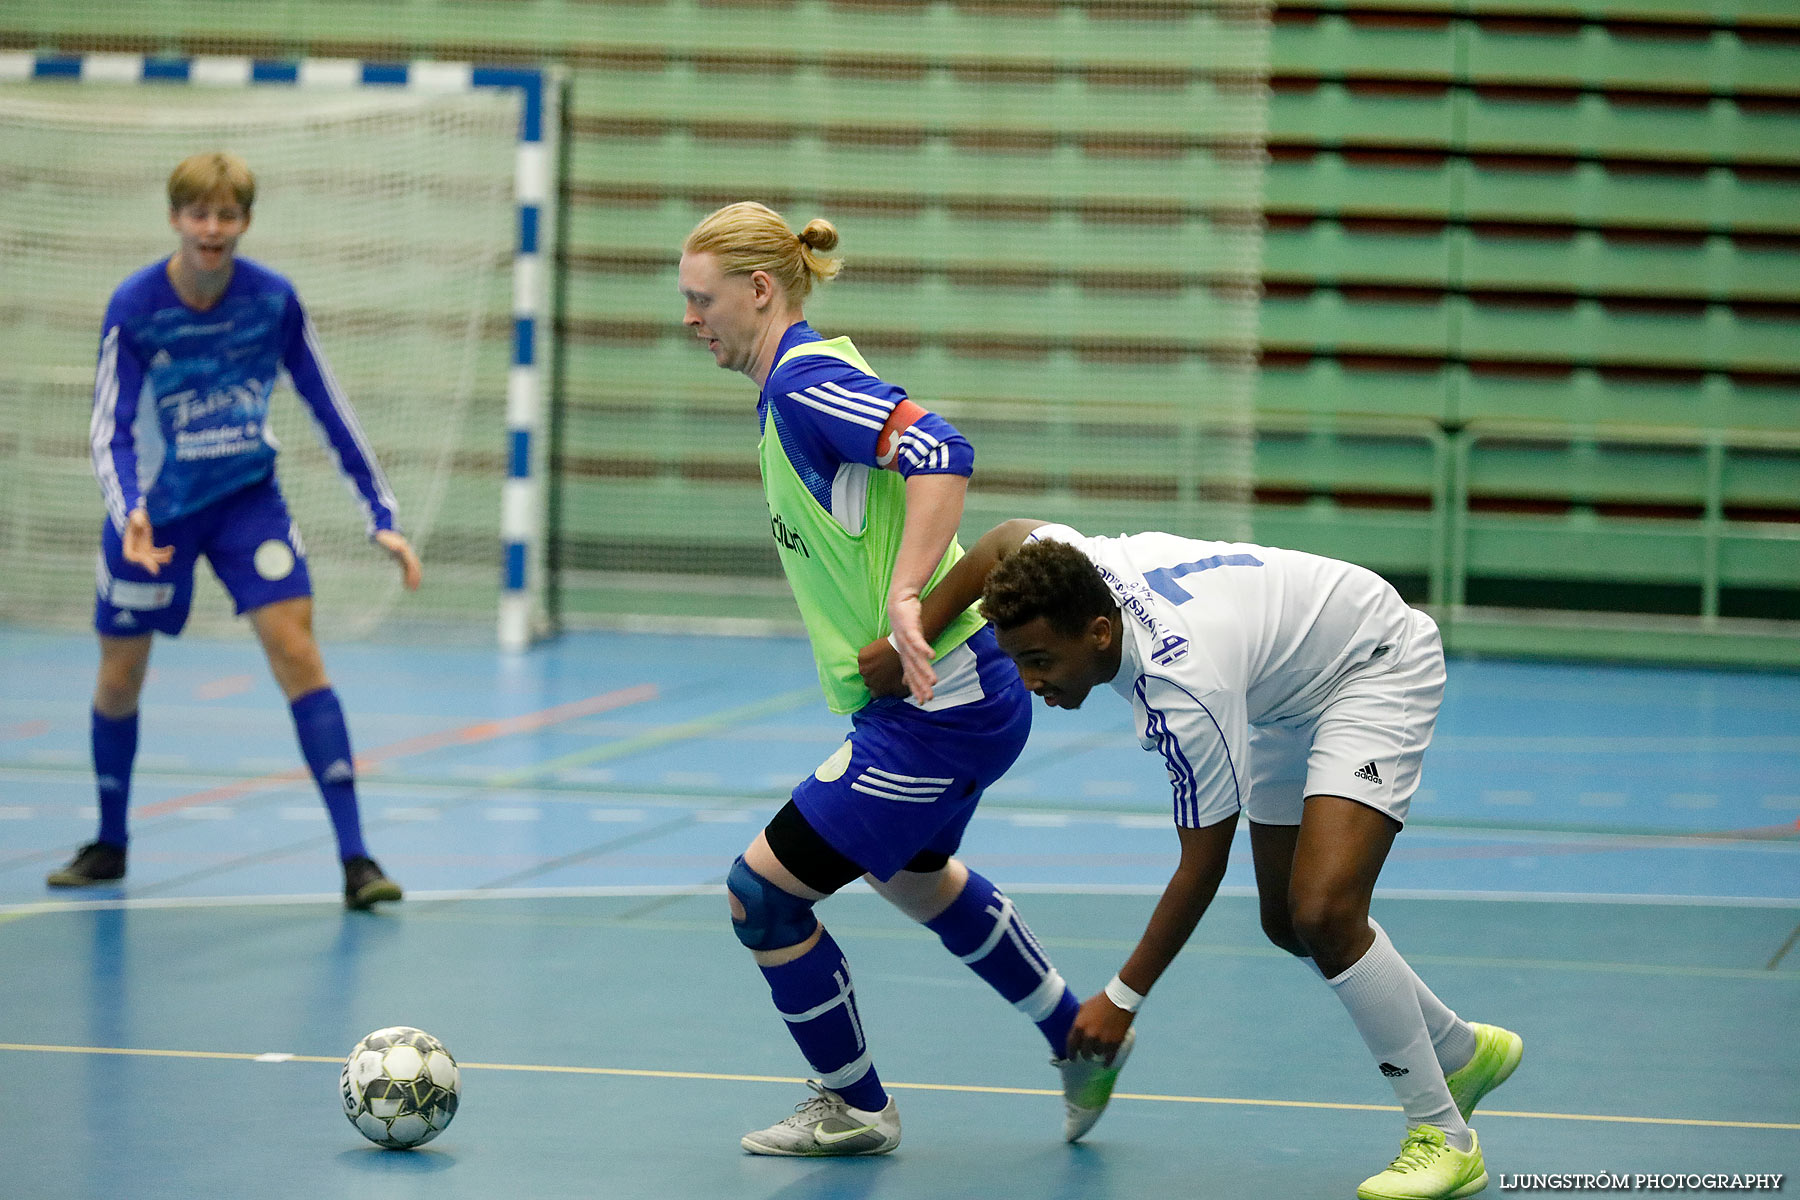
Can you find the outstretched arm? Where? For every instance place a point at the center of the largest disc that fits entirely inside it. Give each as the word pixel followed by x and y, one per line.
pixel 343 435
pixel 1101 1024
pixel 881 666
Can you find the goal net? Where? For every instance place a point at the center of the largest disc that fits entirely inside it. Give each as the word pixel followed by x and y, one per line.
pixel 390 210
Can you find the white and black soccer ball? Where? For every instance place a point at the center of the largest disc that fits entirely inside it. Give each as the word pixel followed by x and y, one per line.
pixel 400 1087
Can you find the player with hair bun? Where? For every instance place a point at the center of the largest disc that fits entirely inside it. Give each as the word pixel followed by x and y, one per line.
pixel 189 355
pixel 865 490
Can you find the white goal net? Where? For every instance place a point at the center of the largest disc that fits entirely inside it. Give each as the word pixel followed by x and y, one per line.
pixel 391 211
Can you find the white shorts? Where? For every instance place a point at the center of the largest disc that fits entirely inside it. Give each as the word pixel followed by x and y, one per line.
pixel 1367 744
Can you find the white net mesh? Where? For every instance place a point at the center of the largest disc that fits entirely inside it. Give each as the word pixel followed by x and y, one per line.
pixel 392 213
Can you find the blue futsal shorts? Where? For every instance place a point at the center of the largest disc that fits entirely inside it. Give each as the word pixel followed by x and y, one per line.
pixel 907 780
pixel 248 537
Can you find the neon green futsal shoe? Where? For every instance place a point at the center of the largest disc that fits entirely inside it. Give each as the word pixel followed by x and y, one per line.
pixel 1428 1168
pixel 1497 1054
pixel 1088 1087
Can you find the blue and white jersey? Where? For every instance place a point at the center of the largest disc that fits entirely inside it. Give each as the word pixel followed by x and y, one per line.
pixel 830 416
pixel 181 398
pixel 1223 636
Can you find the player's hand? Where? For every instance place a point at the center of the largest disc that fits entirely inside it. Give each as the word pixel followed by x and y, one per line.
pixel 395 543
pixel 879 664
pixel 140 543
pixel 909 640
pixel 1099 1028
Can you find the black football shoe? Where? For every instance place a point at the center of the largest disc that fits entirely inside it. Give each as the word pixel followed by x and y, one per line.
pixel 96 862
pixel 364 884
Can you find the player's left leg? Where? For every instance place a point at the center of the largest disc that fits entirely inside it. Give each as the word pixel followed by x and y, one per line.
pixel 256 551
pixel 285 630
pixel 1338 855
pixel 977 923
pixel 1272 850
pixel 976 743
pixel 1362 769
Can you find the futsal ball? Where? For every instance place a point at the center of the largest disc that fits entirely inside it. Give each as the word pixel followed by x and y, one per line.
pixel 400 1087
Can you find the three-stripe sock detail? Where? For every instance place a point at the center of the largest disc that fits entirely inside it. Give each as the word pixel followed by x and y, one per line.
pixel 983 929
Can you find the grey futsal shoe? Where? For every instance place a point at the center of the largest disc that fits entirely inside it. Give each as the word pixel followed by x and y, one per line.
pixel 826 1126
pixel 96 862
pixel 364 883
pixel 1088 1087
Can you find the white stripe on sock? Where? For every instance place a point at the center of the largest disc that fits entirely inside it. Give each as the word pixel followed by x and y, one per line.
pixel 846 1075
pixel 1002 918
pixel 1042 1002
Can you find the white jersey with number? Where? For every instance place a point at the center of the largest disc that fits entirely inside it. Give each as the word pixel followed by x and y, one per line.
pixel 1223 636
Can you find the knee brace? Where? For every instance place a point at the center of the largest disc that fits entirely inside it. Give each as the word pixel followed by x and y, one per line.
pixel 773 919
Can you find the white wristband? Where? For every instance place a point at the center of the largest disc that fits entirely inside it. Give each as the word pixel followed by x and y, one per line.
pixel 1123 996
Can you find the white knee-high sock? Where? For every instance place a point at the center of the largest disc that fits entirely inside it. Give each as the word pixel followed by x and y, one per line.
pixel 1380 994
pixel 1451 1036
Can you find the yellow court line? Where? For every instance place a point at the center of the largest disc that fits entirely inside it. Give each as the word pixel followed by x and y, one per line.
pixel 640 1073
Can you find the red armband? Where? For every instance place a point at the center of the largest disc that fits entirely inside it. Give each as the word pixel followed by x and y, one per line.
pixel 887 442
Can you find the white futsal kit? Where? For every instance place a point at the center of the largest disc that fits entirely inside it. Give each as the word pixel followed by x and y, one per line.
pixel 1264 676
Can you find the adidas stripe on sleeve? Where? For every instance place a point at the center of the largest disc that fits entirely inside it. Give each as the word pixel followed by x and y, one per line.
pixel 840 415
pixel 342 433
pixel 1203 741
pixel 118 379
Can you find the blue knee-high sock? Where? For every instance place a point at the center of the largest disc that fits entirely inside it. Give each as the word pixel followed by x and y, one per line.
pixel 325 744
pixel 115 745
pixel 981 928
pixel 814 996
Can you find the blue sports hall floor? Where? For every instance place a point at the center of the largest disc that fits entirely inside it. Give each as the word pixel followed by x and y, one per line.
pixel 1604 859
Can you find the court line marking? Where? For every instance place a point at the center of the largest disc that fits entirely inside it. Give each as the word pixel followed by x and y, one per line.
pixel 1785 947
pixel 465 735
pixel 224 686
pixel 780 702
pixel 977 1089
pixel 420 912
pixel 1784 838
pixel 602 891
pixel 474 794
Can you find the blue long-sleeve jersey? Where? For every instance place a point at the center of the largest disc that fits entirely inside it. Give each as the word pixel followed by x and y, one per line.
pixel 181 398
pixel 830 417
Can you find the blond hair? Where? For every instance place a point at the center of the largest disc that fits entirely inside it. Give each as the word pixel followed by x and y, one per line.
pixel 199 176
pixel 748 236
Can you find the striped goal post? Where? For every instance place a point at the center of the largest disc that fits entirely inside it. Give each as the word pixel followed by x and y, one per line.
pixel 522 615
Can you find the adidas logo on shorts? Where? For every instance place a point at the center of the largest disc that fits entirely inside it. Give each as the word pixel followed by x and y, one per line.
pixel 1367 771
pixel 1391 1071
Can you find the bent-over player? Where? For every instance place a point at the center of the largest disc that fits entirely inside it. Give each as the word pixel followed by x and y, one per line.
pixel 1298 690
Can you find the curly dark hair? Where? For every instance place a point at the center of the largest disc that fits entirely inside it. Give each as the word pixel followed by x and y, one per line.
pixel 1046 579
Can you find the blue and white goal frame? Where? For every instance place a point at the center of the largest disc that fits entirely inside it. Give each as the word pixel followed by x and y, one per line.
pixel 522 499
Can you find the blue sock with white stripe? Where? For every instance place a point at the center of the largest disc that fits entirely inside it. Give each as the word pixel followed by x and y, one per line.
pixel 814 996
pixel 115 746
pixel 325 745
pixel 981 928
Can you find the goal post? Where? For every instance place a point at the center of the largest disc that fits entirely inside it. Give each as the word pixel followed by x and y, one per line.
pixel 412 205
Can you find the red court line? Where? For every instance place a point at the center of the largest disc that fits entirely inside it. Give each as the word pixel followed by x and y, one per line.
pixel 225 685
pixel 467 735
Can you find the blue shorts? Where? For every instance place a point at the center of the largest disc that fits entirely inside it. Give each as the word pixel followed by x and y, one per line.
pixel 248 537
pixel 906 780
